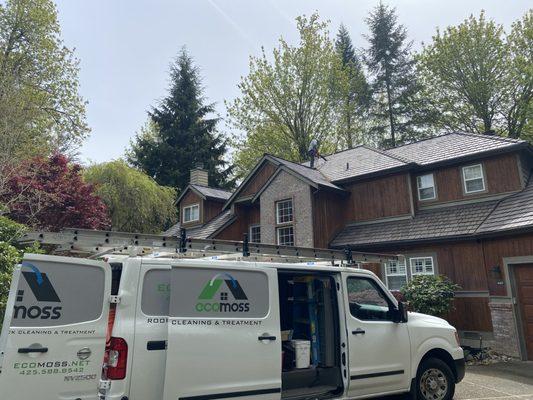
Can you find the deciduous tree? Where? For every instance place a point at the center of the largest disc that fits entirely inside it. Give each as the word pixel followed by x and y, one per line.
pixel 478 79
pixel 49 193
pixel 136 203
pixel 39 98
pixel 287 99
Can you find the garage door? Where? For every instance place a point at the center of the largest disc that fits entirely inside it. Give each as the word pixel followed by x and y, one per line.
pixel 524 280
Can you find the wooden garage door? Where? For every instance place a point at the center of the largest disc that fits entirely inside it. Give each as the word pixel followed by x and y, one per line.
pixel 524 283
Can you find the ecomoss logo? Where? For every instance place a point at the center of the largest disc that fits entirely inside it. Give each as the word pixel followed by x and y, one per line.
pixel 43 291
pixel 223 293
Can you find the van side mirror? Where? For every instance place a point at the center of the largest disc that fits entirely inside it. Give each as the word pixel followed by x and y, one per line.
pixel 401 312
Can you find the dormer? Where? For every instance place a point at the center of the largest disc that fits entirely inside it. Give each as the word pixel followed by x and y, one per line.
pixel 199 203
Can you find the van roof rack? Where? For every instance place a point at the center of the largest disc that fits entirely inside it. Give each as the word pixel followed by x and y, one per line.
pixel 95 243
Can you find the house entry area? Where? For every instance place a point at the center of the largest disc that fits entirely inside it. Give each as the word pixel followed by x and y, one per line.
pixel 524 291
pixel 309 318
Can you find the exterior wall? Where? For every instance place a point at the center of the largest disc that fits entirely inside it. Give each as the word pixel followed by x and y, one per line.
pixel 328 219
pixel 262 175
pixel 378 198
pixel 506 339
pixel 187 200
pixel 502 175
pixel 286 186
pixel 211 209
pixel 245 216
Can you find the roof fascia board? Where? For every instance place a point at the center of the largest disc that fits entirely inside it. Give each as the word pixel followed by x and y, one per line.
pixel 189 187
pixel 248 178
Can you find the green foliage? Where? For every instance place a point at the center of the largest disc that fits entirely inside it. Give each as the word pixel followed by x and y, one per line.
pixel 136 203
pixel 287 99
pixel 39 100
pixel 10 256
pixel 181 135
pixel 478 79
pixel 430 294
pixel 398 108
pixel 353 94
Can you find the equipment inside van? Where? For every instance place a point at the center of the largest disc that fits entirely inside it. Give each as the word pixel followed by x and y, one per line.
pixel 148 317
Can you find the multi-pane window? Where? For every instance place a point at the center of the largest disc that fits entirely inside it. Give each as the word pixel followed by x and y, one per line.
pixel 473 178
pixel 426 187
pixel 422 266
pixel 285 236
pixel 284 211
pixel 191 213
pixel 255 233
pixel 396 274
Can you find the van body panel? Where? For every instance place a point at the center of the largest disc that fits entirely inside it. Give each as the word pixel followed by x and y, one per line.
pixel 379 350
pixel 57 322
pixel 235 350
pixel 151 317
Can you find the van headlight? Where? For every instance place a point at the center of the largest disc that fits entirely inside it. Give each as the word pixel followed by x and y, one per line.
pixel 457 338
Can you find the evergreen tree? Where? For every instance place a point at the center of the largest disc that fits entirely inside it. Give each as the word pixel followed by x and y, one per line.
pixel 181 134
pixel 396 100
pixel 354 93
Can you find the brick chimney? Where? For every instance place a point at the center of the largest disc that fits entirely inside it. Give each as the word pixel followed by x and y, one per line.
pixel 199 176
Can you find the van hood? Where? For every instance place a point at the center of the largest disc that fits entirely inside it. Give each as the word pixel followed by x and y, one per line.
pixel 430 319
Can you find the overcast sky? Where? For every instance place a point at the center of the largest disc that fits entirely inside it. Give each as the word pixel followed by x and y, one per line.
pixel 125 47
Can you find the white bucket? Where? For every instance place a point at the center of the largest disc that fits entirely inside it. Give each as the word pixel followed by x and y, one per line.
pixel 302 349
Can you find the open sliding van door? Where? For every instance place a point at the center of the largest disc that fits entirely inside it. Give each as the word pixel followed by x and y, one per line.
pixel 223 332
pixel 54 332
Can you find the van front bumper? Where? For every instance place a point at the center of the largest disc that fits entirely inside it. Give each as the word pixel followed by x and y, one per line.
pixel 459 369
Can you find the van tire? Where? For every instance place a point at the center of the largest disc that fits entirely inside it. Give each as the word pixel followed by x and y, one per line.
pixel 434 380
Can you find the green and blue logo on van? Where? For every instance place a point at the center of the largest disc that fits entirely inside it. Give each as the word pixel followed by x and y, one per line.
pixel 215 295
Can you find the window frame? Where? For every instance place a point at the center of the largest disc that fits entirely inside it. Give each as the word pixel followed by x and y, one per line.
pixel 250 233
pixel 277 204
pixel 191 206
pixel 465 180
pixel 419 188
pixel 411 265
pixel 278 230
pixel 387 274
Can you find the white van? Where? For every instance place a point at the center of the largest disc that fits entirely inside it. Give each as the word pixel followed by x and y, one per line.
pixel 189 329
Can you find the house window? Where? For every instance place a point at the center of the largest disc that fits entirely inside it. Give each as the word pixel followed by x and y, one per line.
pixel 396 274
pixel 473 178
pixel 255 233
pixel 422 266
pixel 284 211
pixel 191 213
pixel 285 236
pixel 426 187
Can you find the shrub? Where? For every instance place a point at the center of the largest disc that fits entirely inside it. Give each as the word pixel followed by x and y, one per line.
pixel 430 294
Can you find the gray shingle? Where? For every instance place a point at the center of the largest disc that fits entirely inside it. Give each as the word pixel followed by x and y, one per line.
pixel 204 231
pixel 450 146
pixel 513 212
pixel 312 174
pixel 428 224
pixel 213 193
pixel 359 161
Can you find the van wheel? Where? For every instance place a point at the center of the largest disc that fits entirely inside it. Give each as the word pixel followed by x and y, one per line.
pixel 434 381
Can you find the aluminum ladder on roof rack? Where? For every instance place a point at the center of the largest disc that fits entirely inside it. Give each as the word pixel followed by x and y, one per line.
pixel 97 243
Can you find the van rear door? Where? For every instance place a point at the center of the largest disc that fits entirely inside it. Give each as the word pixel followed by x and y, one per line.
pixel 223 332
pixel 54 333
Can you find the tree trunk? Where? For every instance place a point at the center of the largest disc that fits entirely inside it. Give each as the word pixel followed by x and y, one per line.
pixel 391 116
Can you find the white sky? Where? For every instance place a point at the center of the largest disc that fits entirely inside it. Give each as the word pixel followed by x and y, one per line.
pixel 125 47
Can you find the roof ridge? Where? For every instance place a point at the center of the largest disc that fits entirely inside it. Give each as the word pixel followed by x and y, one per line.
pixel 405 160
pixel 210 187
pixel 495 137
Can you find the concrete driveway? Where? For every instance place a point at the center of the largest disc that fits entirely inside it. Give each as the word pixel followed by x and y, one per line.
pixel 502 381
